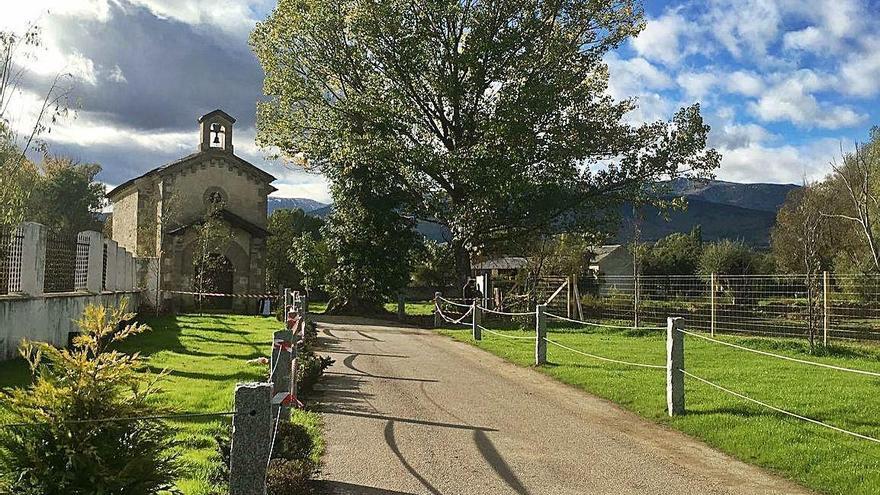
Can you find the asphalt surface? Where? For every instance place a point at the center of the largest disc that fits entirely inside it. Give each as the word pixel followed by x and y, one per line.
pixel 407 411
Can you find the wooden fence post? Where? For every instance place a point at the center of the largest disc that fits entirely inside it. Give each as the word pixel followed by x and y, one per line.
pixel 251 438
pixel 675 366
pixel 540 334
pixel 437 317
pixel 476 321
pixel 826 312
pixel 401 307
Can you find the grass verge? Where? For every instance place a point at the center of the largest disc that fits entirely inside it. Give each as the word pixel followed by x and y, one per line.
pixel 205 357
pixel 816 457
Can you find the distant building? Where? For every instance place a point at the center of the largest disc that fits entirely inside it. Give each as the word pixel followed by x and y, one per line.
pixel 154 216
pixel 611 260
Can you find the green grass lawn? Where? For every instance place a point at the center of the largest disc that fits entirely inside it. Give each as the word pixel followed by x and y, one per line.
pixel 206 356
pixel 819 458
pixel 413 308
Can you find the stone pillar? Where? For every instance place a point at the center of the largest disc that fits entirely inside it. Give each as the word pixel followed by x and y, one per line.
pixel 120 268
pixel 110 268
pixel 32 259
pixel 437 319
pixel 281 366
pixel 675 366
pixel 476 321
pixel 94 263
pixel 251 438
pixel 540 334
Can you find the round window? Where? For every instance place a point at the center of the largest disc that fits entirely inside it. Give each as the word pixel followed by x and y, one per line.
pixel 214 196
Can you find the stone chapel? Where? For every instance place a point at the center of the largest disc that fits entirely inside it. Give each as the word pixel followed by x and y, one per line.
pixel 155 216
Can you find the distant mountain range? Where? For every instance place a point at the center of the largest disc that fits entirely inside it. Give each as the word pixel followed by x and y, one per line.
pixel 305 204
pixel 724 210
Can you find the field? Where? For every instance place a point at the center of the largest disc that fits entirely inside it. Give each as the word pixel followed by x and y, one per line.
pixel 206 356
pixel 819 458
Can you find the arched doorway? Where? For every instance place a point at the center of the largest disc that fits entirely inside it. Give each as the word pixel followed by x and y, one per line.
pixel 215 275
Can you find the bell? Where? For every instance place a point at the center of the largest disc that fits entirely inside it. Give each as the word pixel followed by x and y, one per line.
pixel 216 138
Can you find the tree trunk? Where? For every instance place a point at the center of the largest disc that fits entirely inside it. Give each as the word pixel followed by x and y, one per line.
pixel 355 307
pixel 462 263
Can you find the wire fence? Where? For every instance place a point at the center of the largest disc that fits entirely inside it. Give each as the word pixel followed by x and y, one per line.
pixel 841 306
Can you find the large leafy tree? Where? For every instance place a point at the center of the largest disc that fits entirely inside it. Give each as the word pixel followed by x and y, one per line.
pixel 66 195
pixel 495 113
pixel 287 227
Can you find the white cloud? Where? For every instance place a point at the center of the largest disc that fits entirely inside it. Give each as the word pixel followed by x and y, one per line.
pixel 791 99
pixel 744 27
pixel 20 14
pixel 697 85
pixel 318 190
pixel 116 75
pixel 744 82
pixel 660 40
pixel 634 77
pixel 810 39
pixel 783 164
pixel 861 70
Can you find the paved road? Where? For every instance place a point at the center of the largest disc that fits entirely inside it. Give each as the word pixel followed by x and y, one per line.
pixel 411 412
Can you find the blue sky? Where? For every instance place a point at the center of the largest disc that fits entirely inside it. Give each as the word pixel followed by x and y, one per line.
pixel 783 83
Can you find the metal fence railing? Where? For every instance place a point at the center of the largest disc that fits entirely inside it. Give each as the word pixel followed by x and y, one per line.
pixel 5 245
pixel 831 305
pixel 61 248
pixel 81 276
pixel 13 260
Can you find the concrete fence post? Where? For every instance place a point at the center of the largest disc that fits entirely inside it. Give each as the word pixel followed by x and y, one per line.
pixel 110 268
pixel 31 257
pixel 94 265
pixel 437 318
pixel 540 334
pixel 476 321
pixel 120 268
pixel 280 369
pixel 675 366
pixel 251 438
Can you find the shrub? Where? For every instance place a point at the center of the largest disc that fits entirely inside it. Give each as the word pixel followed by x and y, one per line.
pixel 69 444
pixel 311 368
pixel 290 477
pixel 292 442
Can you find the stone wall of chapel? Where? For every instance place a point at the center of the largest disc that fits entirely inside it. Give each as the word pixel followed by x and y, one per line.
pixel 245 195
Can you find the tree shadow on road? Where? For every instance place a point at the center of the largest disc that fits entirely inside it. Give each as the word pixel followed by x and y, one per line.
pixel 327 487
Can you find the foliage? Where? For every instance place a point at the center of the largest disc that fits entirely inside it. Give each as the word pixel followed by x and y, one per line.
pixel 17 52
pixel 675 254
pixel 311 366
pixel 67 195
pixel 292 441
pixel 434 265
pixel 212 238
pixel 493 117
pixel 70 444
pixel 801 238
pixel 731 258
pixel 310 255
pixel 287 226
pixel 290 477
pixel 370 242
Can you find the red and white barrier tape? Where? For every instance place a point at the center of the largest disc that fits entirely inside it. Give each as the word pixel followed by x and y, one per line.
pixel 216 294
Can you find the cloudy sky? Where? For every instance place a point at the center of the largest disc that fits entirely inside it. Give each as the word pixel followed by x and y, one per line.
pixel 784 83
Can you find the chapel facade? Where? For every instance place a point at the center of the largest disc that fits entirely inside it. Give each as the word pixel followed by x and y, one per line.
pixel 159 214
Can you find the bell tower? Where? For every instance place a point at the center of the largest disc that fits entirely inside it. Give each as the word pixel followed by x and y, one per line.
pixel 215 130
